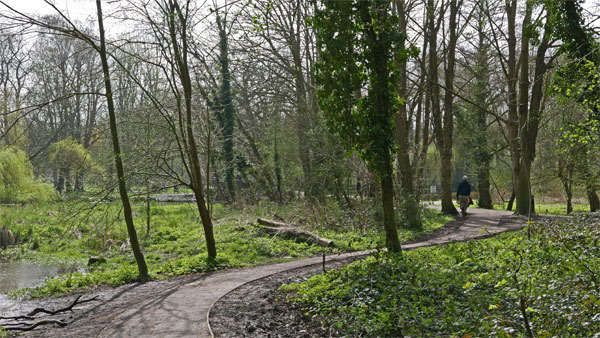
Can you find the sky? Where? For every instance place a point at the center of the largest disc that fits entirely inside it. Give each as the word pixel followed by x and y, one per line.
pixel 74 9
pixel 84 10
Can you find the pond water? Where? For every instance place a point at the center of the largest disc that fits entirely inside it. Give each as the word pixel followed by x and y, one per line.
pixel 16 274
pixel 22 274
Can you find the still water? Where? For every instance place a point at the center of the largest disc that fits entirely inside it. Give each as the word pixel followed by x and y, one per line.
pixel 15 275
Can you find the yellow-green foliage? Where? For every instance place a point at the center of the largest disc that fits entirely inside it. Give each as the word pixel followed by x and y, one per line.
pixel 17 183
pixel 69 154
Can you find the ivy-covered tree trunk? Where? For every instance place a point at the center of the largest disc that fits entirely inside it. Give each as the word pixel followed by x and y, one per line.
pixel 378 53
pixel 389 216
pixel 483 186
pixel 357 42
pixel 482 89
pixel 226 116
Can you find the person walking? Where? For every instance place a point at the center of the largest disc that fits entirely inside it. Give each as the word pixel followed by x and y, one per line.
pixel 463 195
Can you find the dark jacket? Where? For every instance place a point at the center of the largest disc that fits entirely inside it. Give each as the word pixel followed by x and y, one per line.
pixel 464 188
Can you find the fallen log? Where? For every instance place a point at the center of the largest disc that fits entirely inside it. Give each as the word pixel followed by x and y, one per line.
pixel 270 223
pixel 287 231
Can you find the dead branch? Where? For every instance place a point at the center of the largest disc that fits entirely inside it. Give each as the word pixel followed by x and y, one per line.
pixel 25 326
pixel 17 318
pixel 68 308
pixel 36 324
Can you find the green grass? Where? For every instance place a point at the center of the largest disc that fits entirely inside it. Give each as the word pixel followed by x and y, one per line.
pixel 558 209
pixel 175 245
pixel 471 289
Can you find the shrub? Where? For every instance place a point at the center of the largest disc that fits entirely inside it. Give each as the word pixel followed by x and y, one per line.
pixel 17 184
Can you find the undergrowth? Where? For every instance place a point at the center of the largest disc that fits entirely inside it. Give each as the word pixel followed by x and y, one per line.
pixel 74 231
pixel 506 286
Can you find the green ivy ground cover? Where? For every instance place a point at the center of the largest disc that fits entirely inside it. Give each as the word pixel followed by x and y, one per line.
pixel 479 288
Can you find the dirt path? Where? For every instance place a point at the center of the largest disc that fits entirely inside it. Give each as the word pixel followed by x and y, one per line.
pixel 180 307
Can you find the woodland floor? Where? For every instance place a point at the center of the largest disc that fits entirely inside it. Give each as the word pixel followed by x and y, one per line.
pixel 246 301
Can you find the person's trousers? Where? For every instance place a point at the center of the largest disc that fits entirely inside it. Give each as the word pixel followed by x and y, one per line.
pixel 464 202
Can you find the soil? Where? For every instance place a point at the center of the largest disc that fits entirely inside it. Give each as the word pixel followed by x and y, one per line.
pixel 258 309
pixel 90 317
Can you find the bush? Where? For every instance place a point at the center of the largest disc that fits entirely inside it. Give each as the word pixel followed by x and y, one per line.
pixel 17 184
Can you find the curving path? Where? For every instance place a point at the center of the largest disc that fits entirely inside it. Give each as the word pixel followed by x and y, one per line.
pixel 181 308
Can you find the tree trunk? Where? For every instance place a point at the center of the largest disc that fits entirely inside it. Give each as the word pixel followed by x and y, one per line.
pixel 278 176
pixel 60 183
pixel 302 119
pixel 226 109
pixel 378 44
pixel 565 175
pixel 402 123
pixel 511 200
pixel 523 192
pixel 446 183
pixel 423 126
pixel 389 216
pixel 569 193
pixel 68 183
pixel 401 119
pixel 593 198
pixel 148 213
pixel 448 124
pixel 485 198
pixel 482 88
pixel 513 115
pixel 524 129
pixel 523 189
pixel 127 213
pixel 180 55
pixel 79 182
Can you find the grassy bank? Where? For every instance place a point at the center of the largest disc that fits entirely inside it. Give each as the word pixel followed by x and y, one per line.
pixel 74 231
pixel 495 287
